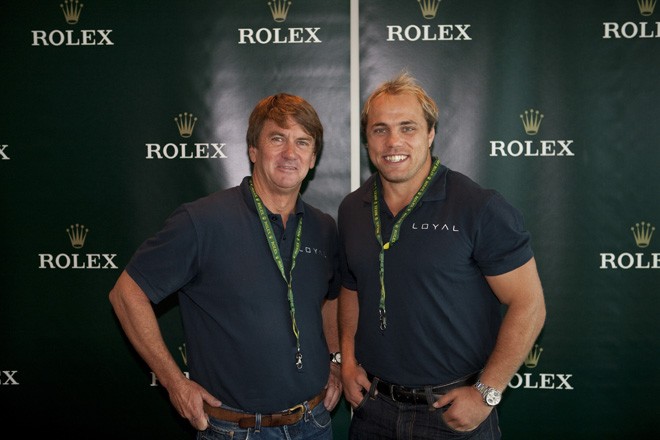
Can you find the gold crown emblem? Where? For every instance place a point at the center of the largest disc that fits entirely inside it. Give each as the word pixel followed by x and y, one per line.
pixel 646 7
pixel 71 10
pixel 429 8
pixel 186 124
pixel 642 233
pixel 77 235
pixel 532 359
pixel 531 120
pixel 279 9
pixel 184 354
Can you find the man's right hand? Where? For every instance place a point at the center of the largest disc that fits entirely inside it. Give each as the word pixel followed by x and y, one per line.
pixel 355 382
pixel 188 398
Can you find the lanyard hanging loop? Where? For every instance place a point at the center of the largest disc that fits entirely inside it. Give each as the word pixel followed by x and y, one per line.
pixel 275 251
pixel 375 212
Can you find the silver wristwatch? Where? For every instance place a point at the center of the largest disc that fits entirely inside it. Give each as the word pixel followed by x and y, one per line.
pixel 335 358
pixel 491 396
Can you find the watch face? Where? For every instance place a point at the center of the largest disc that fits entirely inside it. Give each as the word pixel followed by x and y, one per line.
pixel 493 397
pixel 336 358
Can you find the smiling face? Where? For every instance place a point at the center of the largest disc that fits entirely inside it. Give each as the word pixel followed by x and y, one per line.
pixel 282 158
pixel 399 139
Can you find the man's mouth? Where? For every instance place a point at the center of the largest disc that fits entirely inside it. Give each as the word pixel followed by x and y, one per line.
pixel 395 158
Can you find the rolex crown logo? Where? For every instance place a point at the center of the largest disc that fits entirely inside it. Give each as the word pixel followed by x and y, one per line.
pixel 531 120
pixel 532 359
pixel 642 232
pixel 77 235
pixel 646 7
pixel 185 123
pixel 429 8
pixel 279 9
pixel 71 9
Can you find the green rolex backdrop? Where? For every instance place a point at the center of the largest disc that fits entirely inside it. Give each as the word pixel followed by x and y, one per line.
pixel 115 112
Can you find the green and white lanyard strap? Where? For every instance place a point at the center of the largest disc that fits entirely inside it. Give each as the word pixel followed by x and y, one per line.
pixel 375 210
pixel 274 249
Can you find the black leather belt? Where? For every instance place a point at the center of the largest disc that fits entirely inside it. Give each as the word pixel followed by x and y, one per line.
pixel 419 395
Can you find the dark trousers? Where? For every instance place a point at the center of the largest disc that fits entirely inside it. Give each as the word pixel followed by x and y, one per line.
pixel 380 418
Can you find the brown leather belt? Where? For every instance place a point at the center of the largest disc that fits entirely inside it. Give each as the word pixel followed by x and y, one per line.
pixel 247 420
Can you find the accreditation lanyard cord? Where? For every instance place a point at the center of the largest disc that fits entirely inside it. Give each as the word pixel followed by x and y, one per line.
pixel 375 211
pixel 274 249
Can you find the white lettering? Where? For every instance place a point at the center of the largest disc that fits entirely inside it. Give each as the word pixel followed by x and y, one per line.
pixel 528 148
pixel 564 381
pixel 444 32
pixel 278 35
pixel 199 150
pixel 435 226
pixel 544 381
pixel 85 37
pixel 218 151
pixel 74 261
pixel 9 378
pixel 170 151
pixel 629 261
pixel 630 30
pixel 39 35
pixel 245 34
pixel 153 149
pixel 611 28
pixel 391 31
pixel 564 148
pixel 105 39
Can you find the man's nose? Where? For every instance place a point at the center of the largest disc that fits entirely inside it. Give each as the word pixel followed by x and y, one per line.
pixel 393 138
pixel 289 148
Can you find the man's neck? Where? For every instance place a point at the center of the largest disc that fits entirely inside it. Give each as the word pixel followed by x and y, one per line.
pixel 282 203
pixel 398 195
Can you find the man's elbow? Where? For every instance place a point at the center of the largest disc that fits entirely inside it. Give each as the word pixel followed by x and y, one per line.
pixel 540 313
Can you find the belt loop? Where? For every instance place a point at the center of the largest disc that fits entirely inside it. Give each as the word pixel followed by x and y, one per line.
pixel 307 411
pixel 372 389
pixel 429 398
pixel 257 422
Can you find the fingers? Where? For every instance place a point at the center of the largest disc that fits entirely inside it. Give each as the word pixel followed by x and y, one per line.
pixel 354 398
pixel 200 423
pixel 332 395
pixel 331 400
pixel 209 398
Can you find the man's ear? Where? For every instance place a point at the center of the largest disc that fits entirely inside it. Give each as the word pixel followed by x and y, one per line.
pixel 252 153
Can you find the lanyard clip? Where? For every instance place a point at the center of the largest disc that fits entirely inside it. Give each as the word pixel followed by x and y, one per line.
pixel 383 318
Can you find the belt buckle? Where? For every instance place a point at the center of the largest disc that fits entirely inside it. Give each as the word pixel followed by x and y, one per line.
pixel 295 409
pixel 392 391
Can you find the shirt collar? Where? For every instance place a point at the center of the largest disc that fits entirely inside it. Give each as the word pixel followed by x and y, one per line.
pixel 247 197
pixel 436 191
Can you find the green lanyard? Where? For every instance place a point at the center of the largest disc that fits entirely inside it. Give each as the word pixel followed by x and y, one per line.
pixel 274 249
pixel 395 233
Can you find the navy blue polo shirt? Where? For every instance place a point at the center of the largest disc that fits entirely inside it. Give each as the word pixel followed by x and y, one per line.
pixel 233 299
pixel 442 316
